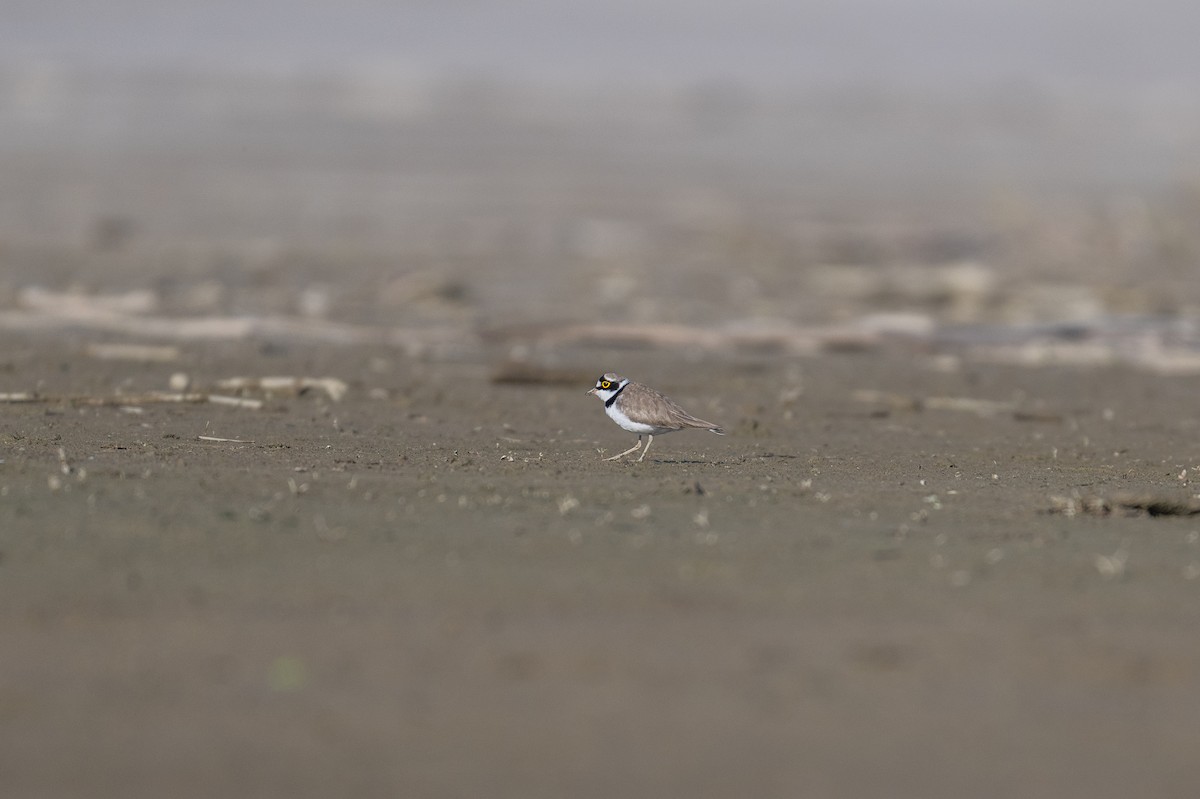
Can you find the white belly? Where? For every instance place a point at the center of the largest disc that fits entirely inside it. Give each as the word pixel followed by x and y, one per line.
pixel 614 413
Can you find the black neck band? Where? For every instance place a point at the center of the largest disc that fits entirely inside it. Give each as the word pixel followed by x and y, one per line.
pixel 608 402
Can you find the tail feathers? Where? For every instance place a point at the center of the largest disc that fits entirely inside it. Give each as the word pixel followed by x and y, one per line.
pixel 709 426
pixel 687 420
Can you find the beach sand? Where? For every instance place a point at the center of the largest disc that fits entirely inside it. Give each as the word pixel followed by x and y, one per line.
pixel 436 587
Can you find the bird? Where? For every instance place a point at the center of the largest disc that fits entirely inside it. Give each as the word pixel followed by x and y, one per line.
pixel 642 410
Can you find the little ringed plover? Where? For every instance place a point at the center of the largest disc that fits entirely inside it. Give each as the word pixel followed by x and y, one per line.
pixel 642 410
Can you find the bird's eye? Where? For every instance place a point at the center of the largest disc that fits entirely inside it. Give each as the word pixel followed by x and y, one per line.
pixel 605 384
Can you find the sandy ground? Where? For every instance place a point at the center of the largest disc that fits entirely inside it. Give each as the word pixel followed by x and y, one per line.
pixel 436 587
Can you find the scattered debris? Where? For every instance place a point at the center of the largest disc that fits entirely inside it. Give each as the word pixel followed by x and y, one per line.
pixel 126 401
pixel 333 387
pixel 1037 416
pixel 867 333
pixel 425 287
pixel 180 382
pixel 1112 566
pixel 1166 346
pixel 1161 505
pixel 132 352
pixel 1125 505
pixel 78 304
pixel 1162 346
pixel 1075 506
pixel 63 464
pixel 982 407
pixel 132 314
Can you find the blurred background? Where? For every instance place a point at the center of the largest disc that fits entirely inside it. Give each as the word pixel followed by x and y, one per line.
pixel 477 164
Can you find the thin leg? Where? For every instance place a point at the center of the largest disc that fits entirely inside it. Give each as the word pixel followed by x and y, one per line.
pixel 626 452
pixel 647 449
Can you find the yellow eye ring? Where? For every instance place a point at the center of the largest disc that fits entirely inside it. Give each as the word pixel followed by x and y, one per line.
pixel 605 384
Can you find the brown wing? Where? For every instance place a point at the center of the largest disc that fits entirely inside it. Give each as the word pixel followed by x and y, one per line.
pixel 666 411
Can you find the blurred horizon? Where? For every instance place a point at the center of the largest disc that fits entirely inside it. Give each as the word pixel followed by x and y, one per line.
pixel 742 160
pixel 773 44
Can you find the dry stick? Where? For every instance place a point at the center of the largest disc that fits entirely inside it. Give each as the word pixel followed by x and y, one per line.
pixel 237 402
pixel 125 400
